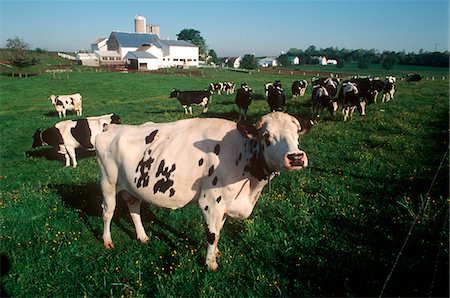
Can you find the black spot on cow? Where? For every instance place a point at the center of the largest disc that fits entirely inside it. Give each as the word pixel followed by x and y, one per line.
pixel 143 168
pixel 172 192
pixel 217 149
pixel 200 162
pixel 211 237
pixel 215 180
pixel 211 171
pixel 151 137
pixel 163 184
pixel 206 208
pixel 59 103
pixel 82 133
pixel 50 136
pixel 219 199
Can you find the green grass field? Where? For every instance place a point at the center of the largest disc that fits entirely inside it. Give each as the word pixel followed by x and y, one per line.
pixel 333 229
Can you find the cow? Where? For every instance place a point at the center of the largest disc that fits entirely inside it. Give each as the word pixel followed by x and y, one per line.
pixel 243 100
pixel 388 88
pixel 349 97
pixel 189 98
pixel 413 78
pixel 266 88
pixel 298 88
pixel 228 87
pixel 215 87
pixel 321 99
pixel 63 103
pixel 276 97
pixel 378 86
pixel 71 134
pixel 366 89
pixel 220 165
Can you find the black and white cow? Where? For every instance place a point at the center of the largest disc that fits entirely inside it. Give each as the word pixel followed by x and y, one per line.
pixel 243 100
pixel 298 88
pixel 276 97
pixel 189 98
pixel 389 88
pixel 349 98
pixel 321 99
pixel 71 134
pixel 214 162
pixel 228 87
pixel 63 103
pixel 216 87
pixel 366 89
pixel 413 78
pixel 378 86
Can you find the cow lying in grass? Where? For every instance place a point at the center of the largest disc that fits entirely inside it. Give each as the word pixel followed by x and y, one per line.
pixel 71 134
pixel 63 103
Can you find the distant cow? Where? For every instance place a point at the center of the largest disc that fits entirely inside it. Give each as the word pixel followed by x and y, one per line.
pixel 413 78
pixel 71 134
pixel 378 86
pixel 189 98
pixel 298 88
pixel 389 88
pixel 228 87
pixel 63 103
pixel 366 89
pixel 215 87
pixel 349 98
pixel 243 100
pixel 219 165
pixel 320 99
pixel 276 97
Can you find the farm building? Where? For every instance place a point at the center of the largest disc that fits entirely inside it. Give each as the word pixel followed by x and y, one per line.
pixel 322 60
pixel 144 49
pixel 233 62
pixel 268 62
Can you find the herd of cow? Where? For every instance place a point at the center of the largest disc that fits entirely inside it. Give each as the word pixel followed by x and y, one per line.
pixel 220 164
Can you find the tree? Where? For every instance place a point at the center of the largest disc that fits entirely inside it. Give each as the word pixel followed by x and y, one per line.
pixel 18 53
pixel 249 62
pixel 283 60
pixel 212 57
pixel 389 61
pixel 194 37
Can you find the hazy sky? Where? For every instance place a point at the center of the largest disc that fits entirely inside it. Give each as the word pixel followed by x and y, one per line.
pixel 235 28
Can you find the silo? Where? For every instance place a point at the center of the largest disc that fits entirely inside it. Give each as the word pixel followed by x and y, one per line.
pixel 139 24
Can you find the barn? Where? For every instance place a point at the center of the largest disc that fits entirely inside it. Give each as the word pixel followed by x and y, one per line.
pixel 144 49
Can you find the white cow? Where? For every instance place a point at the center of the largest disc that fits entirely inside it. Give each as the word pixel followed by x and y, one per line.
pixel 63 103
pixel 214 162
pixel 71 134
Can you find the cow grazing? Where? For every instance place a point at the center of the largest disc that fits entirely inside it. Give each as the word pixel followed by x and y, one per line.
pixel 276 97
pixel 71 134
pixel 388 88
pixel 214 162
pixel 349 97
pixel 413 78
pixel 243 100
pixel 63 103
pixel 215 87
pixel 189 98
pixel 321 99
pixel 298 88
pixel 366 89
pixel 228 87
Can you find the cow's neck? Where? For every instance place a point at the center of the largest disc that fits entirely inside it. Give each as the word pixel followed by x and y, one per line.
pixel 256 166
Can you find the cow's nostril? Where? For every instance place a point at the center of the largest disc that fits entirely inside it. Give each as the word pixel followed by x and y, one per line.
pixel 295 156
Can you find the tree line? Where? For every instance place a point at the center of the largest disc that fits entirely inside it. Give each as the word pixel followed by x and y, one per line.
pixel 388 59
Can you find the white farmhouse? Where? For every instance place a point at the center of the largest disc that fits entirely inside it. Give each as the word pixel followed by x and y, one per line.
pixel 144 49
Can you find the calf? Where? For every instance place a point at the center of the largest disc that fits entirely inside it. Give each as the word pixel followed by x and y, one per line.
pixel 214 162
pixel 276 97
pixel 189 98
pixel 243 100
pixel 349 97
pixel 71 134
pixel 63 103
pixel 298 88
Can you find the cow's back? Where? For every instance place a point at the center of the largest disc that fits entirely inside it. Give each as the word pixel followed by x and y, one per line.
pixel 165 163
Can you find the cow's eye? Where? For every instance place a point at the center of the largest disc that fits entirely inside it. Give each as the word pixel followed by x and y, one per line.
pixel 267 138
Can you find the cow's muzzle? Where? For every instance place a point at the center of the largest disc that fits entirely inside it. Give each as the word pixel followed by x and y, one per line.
pixel 296 160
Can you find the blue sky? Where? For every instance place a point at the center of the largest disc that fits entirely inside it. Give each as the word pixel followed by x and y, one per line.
pixel 235 28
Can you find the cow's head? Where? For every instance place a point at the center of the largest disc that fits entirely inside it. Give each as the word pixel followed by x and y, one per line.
pixel 277 134
pixel 52 99
pixel 115 119
pixel 37 138
pixel 174 93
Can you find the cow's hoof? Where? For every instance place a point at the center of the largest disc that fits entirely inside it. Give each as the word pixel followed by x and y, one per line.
pixel 108 245
pixel 145 240
pixel 212 266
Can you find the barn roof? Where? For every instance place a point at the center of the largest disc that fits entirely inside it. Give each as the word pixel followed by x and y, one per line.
pixel 126 39
pixel 139 55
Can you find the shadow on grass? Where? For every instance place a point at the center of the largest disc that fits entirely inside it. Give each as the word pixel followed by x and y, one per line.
pixel 51 153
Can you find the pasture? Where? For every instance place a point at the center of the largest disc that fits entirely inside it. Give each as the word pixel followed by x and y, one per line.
pixel 375 185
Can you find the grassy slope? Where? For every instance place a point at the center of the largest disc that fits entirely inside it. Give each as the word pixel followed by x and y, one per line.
pixel 333 229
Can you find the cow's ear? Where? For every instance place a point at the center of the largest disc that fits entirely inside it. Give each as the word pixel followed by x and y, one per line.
pixel 306 123
pixel 247 130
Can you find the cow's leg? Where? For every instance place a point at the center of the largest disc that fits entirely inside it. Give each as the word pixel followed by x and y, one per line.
pixel 62 150
pixel 190 110
pixel 363 104
pixel 134 206
pixel 108 178
pixel 72 155
pixel 214 217
pixel 185 109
